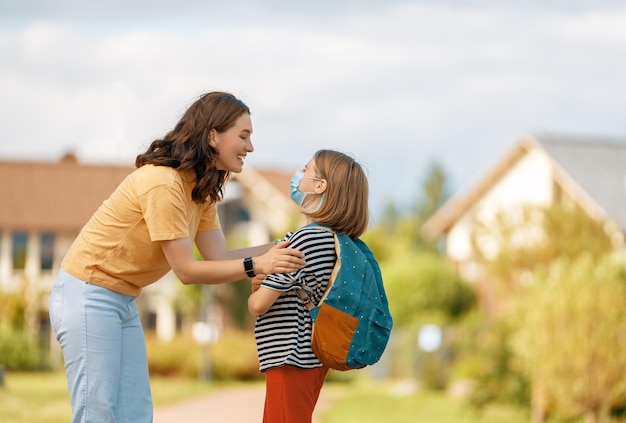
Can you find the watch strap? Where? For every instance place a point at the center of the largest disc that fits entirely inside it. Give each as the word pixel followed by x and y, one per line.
pixel 248 266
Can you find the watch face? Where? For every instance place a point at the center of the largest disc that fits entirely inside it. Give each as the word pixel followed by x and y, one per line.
pixel 248 266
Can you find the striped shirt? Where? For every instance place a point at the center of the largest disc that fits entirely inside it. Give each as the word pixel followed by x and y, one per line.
pixel 283 333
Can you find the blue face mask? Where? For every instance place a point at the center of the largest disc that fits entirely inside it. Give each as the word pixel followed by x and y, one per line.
pixel 296 195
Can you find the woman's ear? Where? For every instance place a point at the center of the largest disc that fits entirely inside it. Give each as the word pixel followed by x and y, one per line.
pixel 212 138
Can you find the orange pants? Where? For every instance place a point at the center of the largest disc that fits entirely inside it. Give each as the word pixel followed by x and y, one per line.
pixel 291 393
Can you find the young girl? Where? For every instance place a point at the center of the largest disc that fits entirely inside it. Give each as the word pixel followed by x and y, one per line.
pixel 332 190
pixel 145 228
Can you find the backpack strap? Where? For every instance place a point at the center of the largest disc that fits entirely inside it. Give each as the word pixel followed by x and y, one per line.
pixel 304 294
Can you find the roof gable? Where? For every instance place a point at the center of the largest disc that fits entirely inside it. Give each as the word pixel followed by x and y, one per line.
pixel 598 166
pixel 452 210
pixel 593 171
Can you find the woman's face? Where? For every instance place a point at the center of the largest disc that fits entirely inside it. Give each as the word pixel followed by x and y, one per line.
pixel 233 145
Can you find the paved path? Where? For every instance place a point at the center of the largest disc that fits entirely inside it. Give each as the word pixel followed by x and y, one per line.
pixel 237 404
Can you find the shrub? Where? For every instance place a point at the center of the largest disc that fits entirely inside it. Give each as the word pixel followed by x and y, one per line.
pixel 570 339
pixel 423 285
pixel 19 352
pixel 485 358
pixel 179 357
pixel 234 356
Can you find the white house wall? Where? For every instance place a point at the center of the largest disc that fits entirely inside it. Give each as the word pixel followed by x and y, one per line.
pixel 529 181
pixel 13 279
pixel 270 212
pixel 6 261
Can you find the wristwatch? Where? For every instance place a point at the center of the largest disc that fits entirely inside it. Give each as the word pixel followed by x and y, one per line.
pixel 248 266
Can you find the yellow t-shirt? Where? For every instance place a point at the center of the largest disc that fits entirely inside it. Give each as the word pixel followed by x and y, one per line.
pixel 119 247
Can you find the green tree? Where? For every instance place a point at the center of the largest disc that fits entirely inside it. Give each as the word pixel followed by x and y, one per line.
pixel 571 339
pixel 517 245
pixel 435 191
pixel 397 232
pixel 423 289
pixel 434 194
pixel 423 284
pixel 527 238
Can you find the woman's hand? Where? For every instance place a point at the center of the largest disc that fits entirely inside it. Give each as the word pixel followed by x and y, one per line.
pixel 279 259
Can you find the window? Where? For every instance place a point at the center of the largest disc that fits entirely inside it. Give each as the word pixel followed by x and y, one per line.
pixel 47 250
pixel 19 241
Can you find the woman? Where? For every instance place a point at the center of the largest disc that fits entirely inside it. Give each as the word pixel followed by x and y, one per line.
pixel 145 228
pixel 332 190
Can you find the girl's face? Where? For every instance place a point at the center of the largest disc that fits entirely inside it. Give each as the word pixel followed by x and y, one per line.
pixel 310 178
pixel 233 144
pixel 311 183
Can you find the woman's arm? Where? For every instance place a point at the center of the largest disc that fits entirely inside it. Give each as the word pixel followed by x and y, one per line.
pixel 221 266
pixel 212 246
pixel 261 300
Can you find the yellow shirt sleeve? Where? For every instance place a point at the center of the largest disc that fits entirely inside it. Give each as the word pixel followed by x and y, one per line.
pixel 164 211
pixel 119 247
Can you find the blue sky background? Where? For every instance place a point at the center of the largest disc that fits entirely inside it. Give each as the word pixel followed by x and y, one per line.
pixel 397 84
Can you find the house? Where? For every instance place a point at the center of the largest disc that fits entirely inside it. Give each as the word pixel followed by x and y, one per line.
pixel 538 170
pixel 45 204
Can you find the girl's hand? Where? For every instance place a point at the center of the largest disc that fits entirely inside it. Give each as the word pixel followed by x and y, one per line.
pixel 255 282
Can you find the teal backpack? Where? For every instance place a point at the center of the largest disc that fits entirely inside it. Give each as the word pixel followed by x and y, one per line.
pixel 352 323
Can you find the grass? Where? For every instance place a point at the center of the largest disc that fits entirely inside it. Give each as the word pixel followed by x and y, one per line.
pixel 43 397
pixel 34 397
pixel 368 403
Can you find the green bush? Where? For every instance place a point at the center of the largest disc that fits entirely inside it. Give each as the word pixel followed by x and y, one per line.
pixel 12 311
pixel 179 357
pixel 484 356
pixel 420 285
pixel 19 352
pixel 234 357
pixel 570 336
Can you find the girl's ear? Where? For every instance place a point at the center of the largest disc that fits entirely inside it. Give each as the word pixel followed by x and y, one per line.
pixel 320 186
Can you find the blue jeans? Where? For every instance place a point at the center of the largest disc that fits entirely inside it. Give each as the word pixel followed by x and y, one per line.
pixel 104 351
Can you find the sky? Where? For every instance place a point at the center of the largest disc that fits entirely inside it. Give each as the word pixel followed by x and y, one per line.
pixel 399 85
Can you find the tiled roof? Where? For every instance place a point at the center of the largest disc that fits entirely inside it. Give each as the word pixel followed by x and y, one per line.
pixel 62 196
pixel 49 196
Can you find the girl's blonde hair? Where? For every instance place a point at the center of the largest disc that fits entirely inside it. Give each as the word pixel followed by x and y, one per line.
pixel 344 204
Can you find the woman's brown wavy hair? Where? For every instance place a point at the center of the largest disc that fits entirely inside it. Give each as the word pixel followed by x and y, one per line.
pixel 344 204
pixel 186 147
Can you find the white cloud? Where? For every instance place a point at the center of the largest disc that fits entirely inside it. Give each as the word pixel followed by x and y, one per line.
pixel 395 83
